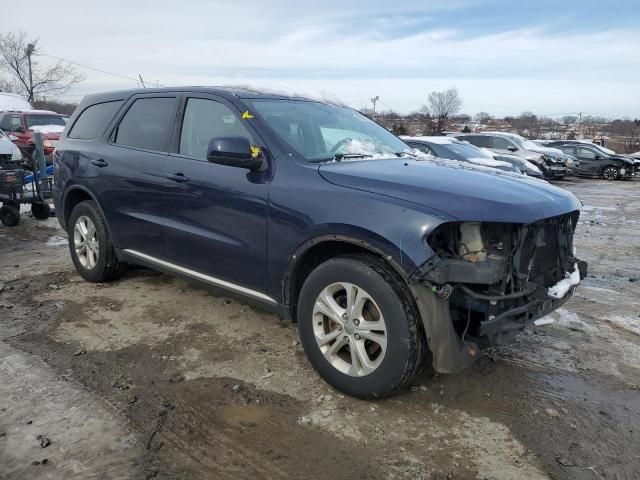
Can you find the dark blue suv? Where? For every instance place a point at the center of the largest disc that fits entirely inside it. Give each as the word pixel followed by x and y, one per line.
pixel 320 214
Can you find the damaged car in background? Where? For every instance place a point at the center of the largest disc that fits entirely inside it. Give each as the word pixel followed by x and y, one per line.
pixel 314 211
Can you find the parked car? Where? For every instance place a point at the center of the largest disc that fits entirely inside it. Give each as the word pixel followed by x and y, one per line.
pixel 9 152
pixel 595 163
pixel 605 152
pixel 454 149
pixel 316 212
pixel 20 126
pixel 551 164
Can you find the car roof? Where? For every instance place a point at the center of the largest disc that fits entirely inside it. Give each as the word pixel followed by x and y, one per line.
pixel 249 93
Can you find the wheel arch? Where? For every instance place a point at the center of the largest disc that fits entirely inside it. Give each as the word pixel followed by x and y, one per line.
pixel 73 196
pixel 318 250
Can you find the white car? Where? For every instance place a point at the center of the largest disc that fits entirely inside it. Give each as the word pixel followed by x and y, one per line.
pixel 9 152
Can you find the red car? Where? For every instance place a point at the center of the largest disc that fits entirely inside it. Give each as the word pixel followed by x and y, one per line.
pixel 21 125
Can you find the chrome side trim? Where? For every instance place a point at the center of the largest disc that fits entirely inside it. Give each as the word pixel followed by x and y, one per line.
pixel 200 276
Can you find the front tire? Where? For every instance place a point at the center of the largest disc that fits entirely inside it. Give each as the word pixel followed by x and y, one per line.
pixel 359 327
pixel 610 173
pixel 90 245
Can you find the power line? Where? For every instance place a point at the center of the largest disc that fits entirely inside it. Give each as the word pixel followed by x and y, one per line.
pixel 136 80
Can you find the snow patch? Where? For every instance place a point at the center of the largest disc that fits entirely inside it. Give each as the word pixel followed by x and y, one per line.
pixel 47 128
pixel 284 89
pixel 488 162
pixel 11 101
pixel 56 241
pixel 560 289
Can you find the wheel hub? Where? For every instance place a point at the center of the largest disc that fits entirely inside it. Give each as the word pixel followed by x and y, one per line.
pixel 349 329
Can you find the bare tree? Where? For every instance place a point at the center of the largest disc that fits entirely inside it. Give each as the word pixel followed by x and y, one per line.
pixel 440 107
pixel 26 75
pixel 591 124
pixel 483 117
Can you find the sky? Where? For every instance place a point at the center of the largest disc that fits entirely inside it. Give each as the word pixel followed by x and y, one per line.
pixel 504 57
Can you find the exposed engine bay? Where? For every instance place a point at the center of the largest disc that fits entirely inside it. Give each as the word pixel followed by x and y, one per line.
pixel 500 277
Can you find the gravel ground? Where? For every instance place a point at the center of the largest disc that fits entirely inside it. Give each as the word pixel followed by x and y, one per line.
pixel 151 377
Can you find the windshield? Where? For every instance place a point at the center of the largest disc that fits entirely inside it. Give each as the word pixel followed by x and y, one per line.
pixel 466 150
pixel 42 120
pixel 322 132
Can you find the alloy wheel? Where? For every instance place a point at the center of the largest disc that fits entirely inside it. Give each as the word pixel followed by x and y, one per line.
pixel 85 241
pixel 610 173
pixel 349 329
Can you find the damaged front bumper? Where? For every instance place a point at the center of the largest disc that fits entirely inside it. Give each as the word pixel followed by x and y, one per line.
pixel 514 276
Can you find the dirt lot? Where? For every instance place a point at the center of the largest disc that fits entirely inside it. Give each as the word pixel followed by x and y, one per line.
pixel 152 377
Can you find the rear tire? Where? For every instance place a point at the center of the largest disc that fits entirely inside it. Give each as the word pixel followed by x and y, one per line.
pixel 384 328
pixel 90 245
pixel 41 211
pixel 9 215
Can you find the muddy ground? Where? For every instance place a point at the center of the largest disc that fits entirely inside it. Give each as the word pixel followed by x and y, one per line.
pixel 151 377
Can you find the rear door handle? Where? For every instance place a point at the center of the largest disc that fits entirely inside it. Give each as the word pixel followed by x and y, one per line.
pixel 177 177
pixel 99 163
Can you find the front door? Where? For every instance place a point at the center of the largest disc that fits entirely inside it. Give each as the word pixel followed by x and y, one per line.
pixel 590 163
pixel 216 216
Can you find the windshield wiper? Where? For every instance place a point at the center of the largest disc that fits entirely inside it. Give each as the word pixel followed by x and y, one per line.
pixel 401 154
pixel 341 156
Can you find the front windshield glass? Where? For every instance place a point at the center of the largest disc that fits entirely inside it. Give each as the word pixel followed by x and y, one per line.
pixel 466 150
pixel 42 120
pixel 322 132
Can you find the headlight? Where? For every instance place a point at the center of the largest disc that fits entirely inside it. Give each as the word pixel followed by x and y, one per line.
pixel 16 155
pixel 47 143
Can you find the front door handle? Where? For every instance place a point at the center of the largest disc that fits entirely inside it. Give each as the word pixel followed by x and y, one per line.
pixel 99 163
pixel 177 177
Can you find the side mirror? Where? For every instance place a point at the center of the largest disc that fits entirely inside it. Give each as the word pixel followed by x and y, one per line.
pixel 597 157
pixel 512 148
pixel 234 152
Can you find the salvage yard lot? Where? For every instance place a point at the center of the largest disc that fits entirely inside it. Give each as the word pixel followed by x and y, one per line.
pixel 153 377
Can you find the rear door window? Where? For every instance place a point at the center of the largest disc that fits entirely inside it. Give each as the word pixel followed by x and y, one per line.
pixel 206 119
pixel 478 141
pixel 93 120
pixel 147 124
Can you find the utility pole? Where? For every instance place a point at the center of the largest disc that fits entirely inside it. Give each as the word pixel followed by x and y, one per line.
pixel 29 51
pixel 374 100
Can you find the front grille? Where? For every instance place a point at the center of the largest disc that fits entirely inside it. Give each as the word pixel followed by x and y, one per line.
pixel 546 249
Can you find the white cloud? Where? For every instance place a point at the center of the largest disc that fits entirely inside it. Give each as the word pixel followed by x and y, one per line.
pixel 365 49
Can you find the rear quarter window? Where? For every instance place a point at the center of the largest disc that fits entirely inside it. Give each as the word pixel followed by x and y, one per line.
pixel 93 120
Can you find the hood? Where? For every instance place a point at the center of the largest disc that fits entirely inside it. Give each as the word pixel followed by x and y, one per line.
pixel 623 158
pixel 460 191
pixel 553 152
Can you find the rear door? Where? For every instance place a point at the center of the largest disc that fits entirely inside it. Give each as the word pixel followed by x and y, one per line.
pixel 129 169
pixel 217 221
